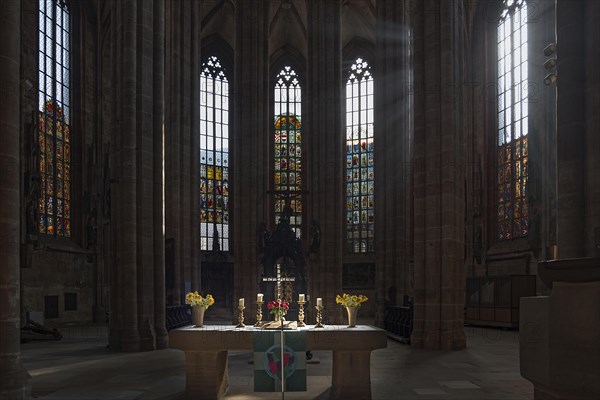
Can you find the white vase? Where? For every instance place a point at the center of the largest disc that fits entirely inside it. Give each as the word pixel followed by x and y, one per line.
pixel 352 312
pixel 198 316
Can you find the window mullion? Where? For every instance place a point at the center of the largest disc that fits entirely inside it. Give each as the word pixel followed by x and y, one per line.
pixel 213 193
pixel 362 224
pixel 54 118
pixel 514 100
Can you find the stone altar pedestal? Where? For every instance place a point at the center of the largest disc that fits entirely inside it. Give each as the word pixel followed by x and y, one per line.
pixel 559 338
pixel 206 356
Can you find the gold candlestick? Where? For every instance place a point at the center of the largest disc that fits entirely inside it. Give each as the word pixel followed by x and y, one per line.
pixel 259 313
pixel 319 317
pixel 241 317
pixel 301 313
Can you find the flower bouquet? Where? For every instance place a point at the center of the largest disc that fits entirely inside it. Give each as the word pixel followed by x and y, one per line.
pixel 196 300
pixel 352 303
pixel 199 305
pixel 348 300
pixel 278 308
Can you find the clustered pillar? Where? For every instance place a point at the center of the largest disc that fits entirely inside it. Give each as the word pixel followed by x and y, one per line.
pixel 571 130
pixel 393 89
pixel 250 149
pixel 137 320
pixel 324 141
pixel 14 383
pixel 439 278
pixel 182 71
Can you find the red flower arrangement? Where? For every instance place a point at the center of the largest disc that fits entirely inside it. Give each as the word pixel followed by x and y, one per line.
pixel 278 308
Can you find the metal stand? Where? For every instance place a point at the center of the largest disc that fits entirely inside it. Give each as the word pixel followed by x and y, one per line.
pixel 258 313
pixel 241 318
pixel 282 341
pixel 301 313
pixel 319 317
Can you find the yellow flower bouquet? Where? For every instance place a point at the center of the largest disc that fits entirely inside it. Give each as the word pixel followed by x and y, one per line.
pixel 348 300
pixel 196 300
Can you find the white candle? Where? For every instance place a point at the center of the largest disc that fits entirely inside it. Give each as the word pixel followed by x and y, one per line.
pixel 319 302
pixel 301 297
pixel 241 302
pixel 259 297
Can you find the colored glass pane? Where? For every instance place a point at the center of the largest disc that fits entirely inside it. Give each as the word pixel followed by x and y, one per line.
pixel 360 159
pixel 214 156
pixel 512 150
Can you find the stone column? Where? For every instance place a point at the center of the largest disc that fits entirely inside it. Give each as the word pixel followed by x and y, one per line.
pixel 592 123
pixel 392 152
pixel 179 142
pixel 439 178
pixel 127 203
pixel 250 143
pixel 173 141
pixel 185 149
pixel 146 207
pixel 15 380
pixel 138 287
pixel 570 134
pixel 325 144
pixel 195 146
pixel 541 184
pixel 158 172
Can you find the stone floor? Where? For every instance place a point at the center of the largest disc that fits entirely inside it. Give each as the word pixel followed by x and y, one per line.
pixel 81 367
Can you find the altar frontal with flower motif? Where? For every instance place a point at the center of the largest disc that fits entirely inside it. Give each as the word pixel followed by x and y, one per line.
pixel 267 361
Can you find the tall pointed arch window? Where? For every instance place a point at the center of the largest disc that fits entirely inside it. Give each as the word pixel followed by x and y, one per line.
pixel 287 147
pixel 214 156
pixel 53 118
pixel 360 189
pixel 512 145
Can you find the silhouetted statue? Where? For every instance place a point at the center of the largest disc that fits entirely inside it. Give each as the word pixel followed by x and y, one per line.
pixel 216 242
pixel 262 235
pixel 315 237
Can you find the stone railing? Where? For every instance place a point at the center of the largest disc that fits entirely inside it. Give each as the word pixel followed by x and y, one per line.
pixel 178 316
pixel 399 321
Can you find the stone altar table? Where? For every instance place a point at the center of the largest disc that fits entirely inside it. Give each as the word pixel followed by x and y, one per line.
pixel 206 356
pixel 559 337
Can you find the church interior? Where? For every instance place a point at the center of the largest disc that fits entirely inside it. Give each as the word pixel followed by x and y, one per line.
pixel 440 158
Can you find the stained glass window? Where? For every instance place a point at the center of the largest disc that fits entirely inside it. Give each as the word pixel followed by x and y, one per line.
pixel 288 146
pixel 214 156
pixel 512 151
pixel 360 193
pixel 53 120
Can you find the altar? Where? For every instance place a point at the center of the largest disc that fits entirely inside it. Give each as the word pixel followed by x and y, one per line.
pixel 206 356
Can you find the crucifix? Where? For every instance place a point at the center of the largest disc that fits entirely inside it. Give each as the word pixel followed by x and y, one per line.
pixel 279 279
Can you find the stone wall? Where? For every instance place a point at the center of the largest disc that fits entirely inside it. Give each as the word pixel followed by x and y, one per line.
pixel 55 266
pixel 435 158
pixel 485 255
